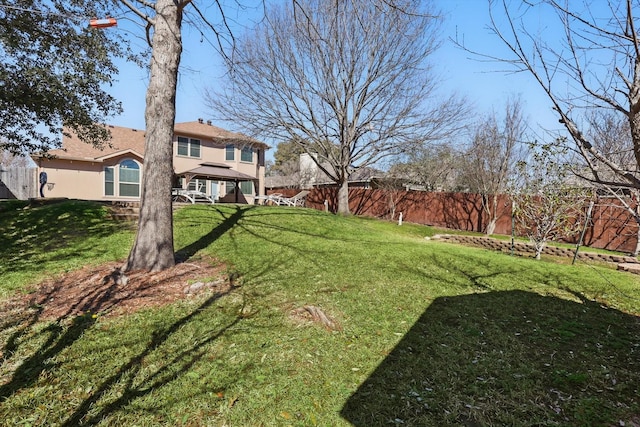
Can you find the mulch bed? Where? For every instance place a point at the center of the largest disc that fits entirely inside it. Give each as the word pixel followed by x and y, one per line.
pixel 104 291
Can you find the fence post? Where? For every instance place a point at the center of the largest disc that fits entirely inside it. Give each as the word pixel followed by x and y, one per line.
pixel 584 229
pixel 513 226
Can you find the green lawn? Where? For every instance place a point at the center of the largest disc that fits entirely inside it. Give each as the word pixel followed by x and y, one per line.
pixel 431 334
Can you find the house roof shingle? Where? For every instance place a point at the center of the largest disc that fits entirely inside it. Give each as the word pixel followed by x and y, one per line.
pixel 122 139
pixel 127 139
pixel 209 131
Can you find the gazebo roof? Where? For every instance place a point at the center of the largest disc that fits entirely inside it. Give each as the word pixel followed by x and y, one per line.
pixel 216 171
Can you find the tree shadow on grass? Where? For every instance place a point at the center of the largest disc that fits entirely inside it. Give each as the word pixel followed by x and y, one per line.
pixel 132 379
pixel 37 233
pixel 229 221
pixel 507 358
pixel 69 327
pixel 126 377
pixel 61 334
pixel 58 337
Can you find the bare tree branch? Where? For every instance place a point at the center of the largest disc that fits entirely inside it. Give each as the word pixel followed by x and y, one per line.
pixel 138 12
pixel 349 81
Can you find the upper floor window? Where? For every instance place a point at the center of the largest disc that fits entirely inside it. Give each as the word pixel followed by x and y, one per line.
pixel 188 147
pixel 246 155
pixel 230 152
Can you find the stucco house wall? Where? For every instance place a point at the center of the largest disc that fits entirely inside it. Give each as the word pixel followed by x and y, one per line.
pixel 80 179
pixel 78 170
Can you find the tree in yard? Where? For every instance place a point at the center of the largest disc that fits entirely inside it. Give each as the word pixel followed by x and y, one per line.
pixel 612 136
pixel 434 167
pixel 347 80
pixel 491 159
pixel 153 248
pixel 595 67
pixel 547 206
pixel 53 71
pixel 287 158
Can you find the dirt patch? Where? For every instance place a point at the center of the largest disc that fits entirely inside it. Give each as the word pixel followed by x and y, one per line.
pixel 105 291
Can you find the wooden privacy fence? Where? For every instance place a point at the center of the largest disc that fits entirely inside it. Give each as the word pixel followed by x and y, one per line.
pixel 611 227
pixel 18 183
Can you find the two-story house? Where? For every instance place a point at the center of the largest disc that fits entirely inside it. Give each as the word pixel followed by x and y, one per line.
pixel 225 165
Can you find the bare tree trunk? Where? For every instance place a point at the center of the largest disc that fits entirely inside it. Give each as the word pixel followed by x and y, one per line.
pixel 153 249
pixel 539 252
pixel 492 210
pixel 637 218
pixel 343 198
pixel 491 226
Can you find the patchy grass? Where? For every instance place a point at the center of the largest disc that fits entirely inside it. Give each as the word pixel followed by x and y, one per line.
pixel 430 333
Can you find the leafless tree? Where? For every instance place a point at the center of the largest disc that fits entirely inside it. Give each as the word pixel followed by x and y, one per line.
pixel 548 206
pixel 594 66
pixel 348 80
pixel 9 159
pixel 613 138
pixel 491 158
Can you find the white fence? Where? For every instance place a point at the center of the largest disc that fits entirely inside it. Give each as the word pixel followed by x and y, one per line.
pixel 18 183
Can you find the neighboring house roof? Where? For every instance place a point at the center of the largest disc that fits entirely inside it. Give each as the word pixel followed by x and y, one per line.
pixel 363 174
pixel 366 174
pixel 360 175
pixel 132 140
pixel 282 181
pixel 120 153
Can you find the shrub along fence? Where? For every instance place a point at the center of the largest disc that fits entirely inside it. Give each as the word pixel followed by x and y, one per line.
pixel 611 227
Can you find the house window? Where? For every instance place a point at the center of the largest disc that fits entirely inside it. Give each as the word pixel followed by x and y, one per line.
pixel 246 155
pixel 129 178
pixel 230 152
pixel 246 187
pixel 188 147
pixel 122 180
pixel 109 183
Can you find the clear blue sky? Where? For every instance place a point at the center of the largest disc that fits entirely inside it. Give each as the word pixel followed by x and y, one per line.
pixel 482 83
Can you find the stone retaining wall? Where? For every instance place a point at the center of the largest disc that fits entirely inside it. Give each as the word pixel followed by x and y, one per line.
pixel 527 248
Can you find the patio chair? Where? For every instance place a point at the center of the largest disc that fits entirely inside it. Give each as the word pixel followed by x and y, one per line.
pixel 297 200
pixel 270 199
pixel 192 196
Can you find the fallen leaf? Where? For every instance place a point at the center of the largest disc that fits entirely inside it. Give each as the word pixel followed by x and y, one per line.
pixel 233 401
